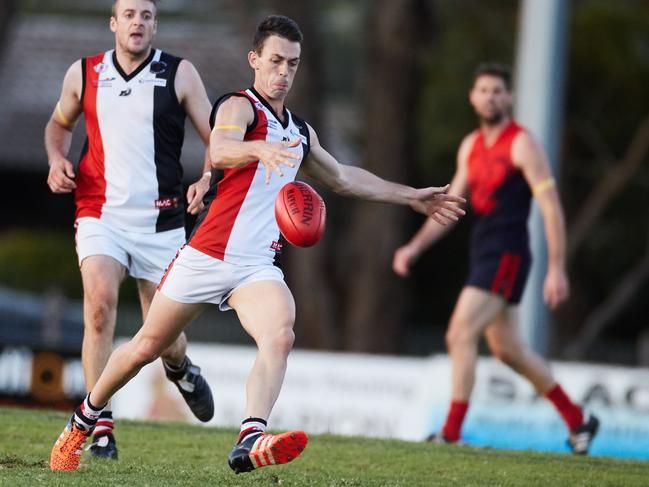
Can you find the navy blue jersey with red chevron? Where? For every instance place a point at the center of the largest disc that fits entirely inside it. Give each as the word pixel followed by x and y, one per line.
pixel 499 195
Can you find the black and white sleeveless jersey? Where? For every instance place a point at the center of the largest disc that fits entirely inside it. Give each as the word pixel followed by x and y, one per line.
pixel 129 173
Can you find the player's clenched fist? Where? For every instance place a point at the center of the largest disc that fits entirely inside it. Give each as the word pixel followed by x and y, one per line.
pixel 61 176
pixel 403 259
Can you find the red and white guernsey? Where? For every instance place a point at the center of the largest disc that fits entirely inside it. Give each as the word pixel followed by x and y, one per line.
pixel 129 173
pixel 238 223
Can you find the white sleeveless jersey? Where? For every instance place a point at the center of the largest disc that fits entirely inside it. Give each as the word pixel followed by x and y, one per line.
pixel 129 173
pixel 238 223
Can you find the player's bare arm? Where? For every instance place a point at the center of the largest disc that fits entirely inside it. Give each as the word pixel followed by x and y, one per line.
pixel 228 149
pixel 191 94
pixel 58 132
pixel 528 154
pixel 359 183
pixel 431 231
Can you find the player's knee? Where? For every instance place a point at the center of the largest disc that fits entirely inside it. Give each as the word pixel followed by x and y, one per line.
pixel 100 309
pixel 101 295
pixel 144 351
pixel 99 315
pixel 283 340
pixel 458 336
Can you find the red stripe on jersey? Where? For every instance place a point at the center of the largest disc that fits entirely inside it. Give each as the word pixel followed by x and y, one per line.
pixel 212 236
pixel 90 194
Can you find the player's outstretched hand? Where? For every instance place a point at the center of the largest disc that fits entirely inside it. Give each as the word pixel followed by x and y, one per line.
pixel 437 204
pixel 276 154
pixel 404 258
pixel 61 176
pixel 556 287
pixel 195 194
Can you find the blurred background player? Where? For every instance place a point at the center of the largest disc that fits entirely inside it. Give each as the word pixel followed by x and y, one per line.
pixel 256 147
pixel 128 189
pixel 502 166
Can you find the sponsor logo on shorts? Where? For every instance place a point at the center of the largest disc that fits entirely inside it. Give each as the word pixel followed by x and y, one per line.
pixel 165 203
pixel 276 246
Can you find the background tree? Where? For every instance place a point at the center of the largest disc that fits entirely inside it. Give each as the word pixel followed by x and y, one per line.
pixel 7 9
pixel 374 299
pixel 606 169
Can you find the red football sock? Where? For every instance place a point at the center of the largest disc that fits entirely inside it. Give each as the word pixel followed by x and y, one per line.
pixel 454 420
pixel 569 411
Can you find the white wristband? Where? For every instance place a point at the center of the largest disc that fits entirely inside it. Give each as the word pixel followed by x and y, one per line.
pixel 207 173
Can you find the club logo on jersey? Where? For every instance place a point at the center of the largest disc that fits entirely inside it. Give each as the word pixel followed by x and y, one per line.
pixel 169 202
pixel 125 92
pixel 100 68
pixel 158 67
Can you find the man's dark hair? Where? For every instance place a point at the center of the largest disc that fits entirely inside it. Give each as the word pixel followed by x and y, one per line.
pixel 276 25
pixel 498 70
pixel 114 10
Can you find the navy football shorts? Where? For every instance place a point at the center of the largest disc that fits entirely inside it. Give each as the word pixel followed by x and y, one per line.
pixel 502 273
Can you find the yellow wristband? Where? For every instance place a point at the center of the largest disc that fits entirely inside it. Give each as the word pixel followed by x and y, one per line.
pixel 63 118
pixel 543 185
pixel 230 127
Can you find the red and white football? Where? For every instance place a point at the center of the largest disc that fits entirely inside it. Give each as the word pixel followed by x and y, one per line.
pixel 300 214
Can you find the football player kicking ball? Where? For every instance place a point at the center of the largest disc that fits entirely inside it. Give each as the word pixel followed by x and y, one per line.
pixel 228 261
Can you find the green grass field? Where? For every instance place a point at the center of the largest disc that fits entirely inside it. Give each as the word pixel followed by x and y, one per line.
pixel 160 454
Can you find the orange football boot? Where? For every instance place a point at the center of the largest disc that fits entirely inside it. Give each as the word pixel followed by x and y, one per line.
pixel 66 453
pixel 264 450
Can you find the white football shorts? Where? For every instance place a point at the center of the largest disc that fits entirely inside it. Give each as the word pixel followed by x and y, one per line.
pixel 194 277
pixel 145 255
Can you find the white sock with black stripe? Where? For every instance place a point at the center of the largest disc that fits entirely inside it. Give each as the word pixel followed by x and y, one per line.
pixel 250 427
pixel 86 415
